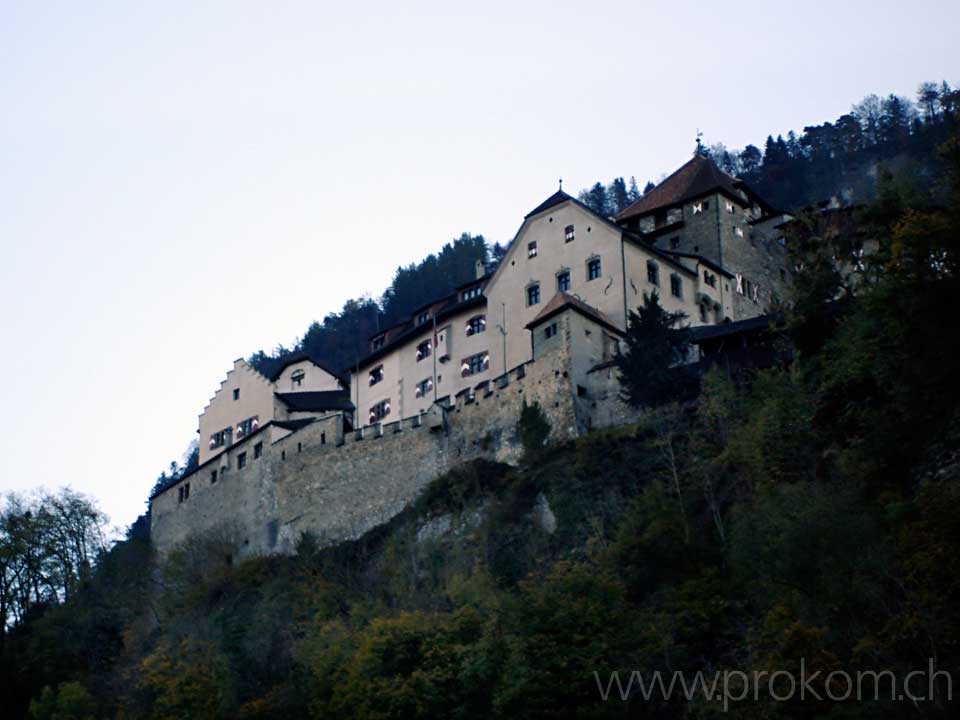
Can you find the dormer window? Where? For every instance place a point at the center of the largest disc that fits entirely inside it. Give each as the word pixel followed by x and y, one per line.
pixel 376 375
pixel 532 249
pixel 297 378
pixel 378 342
pixel 423 350
pixel 476 325
pixel 423 317
pixel 568 233
pixel 470 293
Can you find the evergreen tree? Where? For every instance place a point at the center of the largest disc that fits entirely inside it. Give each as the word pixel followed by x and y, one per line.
pixel 617 199
pixel 648 187
pixel 633 192
pixel 596 199
pixel 651 370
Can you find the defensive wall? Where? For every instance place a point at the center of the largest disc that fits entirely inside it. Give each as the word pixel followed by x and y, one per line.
pixel 338 485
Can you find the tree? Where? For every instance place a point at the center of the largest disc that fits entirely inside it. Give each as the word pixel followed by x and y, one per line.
pixel 617 199
pixel 868 113
pixel 928 97
pixel 751 159
pixel 533 428
pixel 596 199
pixel 651 369
pixel 648 187
pixel 633 193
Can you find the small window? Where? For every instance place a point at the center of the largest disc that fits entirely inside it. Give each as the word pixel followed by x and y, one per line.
pixel 550 330
pixel 323 438
pixel 423 350
pixel 376 375
pixel 241 461
pixel 379 411
pixel 424 388
pixel 563 281
pixel 423 317
pixel 697 208
pixel 739 232
pixel 676 285
pixel 297 378
pixel 532 249
pixel 299 447
pixel 739 284
pixel 258 451
pixel 236 393
pixel 593 269
pixel 283 454
pixel 184 493
pixel 703 312
pixel 533 295
pixel 476 325
pixel 378 341
pixel 653 273
pixel 470 293
pixel 213 477
pixel 475 364
pixel 568 233
pixel 674 243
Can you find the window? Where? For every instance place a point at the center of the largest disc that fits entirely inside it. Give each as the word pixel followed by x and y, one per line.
pixel 697 208
pixel 568 233
pixel 475 364
pixel 184 492
pixel 423 317
pixel 377 342
pixel 550 330
pixel 248 426
pixel 593 269
pixel 297 378
pixel 653 273
pixel 299 447
pixel 323 438
pixel 563 281
pixel 703 312
pixel 709 278
pixel 739 284
pixel 258 451
pixel 236 393
pixel 730 208
pixel 532 249
pixel 423 350
pixel 471 293
pixel 676 285
pixel 241 461
pixel 739 232
pixel 476 325
pixel 674 243
pixel 376 375
pixel 533 295
pixel 379 411
pixel 213 477
pixel 219 439
pixel 424 387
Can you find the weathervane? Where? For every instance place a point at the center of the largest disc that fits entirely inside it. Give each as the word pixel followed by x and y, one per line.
pixel 561 184
pixel 699 144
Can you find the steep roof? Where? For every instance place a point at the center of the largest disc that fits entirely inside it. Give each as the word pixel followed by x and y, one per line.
pixel 300 356
pixel 563 300
pixel 317 400
pixel 698 176
pixel 556 199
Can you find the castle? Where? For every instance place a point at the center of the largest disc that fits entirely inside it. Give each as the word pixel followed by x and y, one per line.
pixel 336 453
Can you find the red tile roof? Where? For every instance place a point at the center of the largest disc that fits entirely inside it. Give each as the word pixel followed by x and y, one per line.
pixel 698 176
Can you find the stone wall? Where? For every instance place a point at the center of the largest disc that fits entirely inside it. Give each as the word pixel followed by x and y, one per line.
pixel 339 486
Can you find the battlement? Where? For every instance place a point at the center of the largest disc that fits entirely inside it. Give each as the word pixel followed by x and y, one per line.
pixel 338 485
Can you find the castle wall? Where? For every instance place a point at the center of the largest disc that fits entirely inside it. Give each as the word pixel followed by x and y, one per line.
pixel 352 482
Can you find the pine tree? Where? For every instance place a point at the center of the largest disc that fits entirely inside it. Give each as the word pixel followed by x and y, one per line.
pixel 651 369
pixel 633 192
pixel 617 199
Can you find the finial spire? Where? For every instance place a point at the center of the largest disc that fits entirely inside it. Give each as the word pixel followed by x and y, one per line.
pixel 561 184
pixel 699 144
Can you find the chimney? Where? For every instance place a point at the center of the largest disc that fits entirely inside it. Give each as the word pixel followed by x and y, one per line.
pixel 480 269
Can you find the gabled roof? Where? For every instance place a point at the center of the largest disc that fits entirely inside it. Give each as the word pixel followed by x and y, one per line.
pixel 761 323
pixel 319 400
pixel 563 300
pixel 698 176
pixel 556 199
pixel 300 356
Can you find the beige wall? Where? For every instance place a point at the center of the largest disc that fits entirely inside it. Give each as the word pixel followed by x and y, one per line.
pixel 256 399
pixel 315 379
pixel 506 292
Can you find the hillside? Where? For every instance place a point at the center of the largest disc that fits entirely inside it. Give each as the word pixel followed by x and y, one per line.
pixel 800 514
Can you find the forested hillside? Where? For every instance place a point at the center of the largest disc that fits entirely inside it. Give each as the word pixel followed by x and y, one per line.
pixel 801 516
pixel 839 159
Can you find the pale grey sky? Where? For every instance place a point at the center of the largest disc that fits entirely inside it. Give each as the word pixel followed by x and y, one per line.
pixel 184 183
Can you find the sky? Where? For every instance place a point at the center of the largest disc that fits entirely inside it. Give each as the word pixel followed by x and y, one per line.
pixel 182 184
